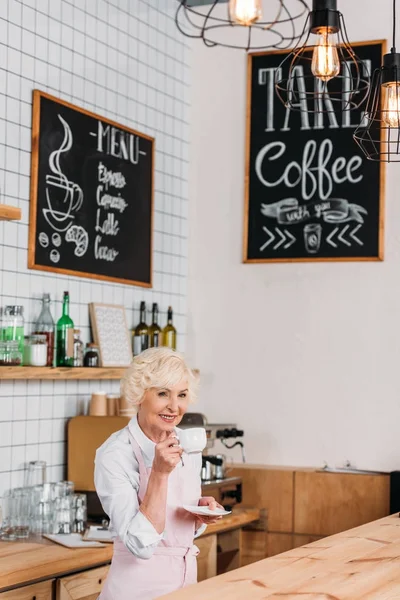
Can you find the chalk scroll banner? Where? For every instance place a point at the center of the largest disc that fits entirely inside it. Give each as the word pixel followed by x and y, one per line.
pixel 91 195
pixel 310 192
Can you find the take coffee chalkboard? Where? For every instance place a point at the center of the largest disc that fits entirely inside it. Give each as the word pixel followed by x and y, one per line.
pixel 310 192
pixel 91 195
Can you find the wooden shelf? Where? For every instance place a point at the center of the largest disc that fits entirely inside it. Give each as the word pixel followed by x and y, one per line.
pixel 61 373
pixel 9 213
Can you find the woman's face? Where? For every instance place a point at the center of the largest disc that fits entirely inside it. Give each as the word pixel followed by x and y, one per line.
pixel 163 408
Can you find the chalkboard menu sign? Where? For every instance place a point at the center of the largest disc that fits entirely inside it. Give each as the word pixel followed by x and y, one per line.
pixel 91 195
pixel 310 192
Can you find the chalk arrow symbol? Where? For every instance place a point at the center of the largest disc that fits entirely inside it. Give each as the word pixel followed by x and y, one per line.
pixel 291 241
pixel 330 236
pixel 353 232
pixel 281 241
pixel 341 234
pixel 271 238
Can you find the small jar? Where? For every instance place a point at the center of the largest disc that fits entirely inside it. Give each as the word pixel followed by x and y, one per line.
pixel 10 355
pixel 78 349
pixel 35 351
pixel 92 356
pixel 13 325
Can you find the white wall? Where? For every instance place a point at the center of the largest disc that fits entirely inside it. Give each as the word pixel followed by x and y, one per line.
pixel 304 357
pixel 125 60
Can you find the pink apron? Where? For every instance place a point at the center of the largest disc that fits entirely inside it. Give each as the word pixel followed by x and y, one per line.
pixel 173 564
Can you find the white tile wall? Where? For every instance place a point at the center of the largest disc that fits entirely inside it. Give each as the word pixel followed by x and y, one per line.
pixel 125 60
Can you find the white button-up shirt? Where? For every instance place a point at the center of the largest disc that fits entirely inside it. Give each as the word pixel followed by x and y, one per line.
pixel 116 477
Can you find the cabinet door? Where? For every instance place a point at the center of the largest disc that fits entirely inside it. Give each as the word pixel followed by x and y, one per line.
pixel 207 559
pixel 82 586
pixel 38 591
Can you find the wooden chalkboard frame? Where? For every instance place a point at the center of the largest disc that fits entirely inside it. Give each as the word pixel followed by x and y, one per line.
pixel 37 96
pixel 382 183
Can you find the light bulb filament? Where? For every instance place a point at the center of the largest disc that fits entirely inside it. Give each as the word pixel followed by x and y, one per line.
pixel 245 12
pixel 391 105
pixel 325 60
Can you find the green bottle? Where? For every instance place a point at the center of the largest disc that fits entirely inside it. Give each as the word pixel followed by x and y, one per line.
pixel 65 337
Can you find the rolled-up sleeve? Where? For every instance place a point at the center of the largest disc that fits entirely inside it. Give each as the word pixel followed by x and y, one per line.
pixel 118 494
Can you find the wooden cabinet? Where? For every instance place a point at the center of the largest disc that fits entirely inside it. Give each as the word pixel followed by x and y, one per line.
pixel 328 503
pixel 38 591
pixel 207 559
pixel 82 586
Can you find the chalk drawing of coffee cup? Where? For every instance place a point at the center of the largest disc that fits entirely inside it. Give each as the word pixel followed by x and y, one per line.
pixel 64 197
pixel 312 237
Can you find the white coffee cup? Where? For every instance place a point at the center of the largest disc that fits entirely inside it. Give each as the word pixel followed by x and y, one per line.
pixel 193 440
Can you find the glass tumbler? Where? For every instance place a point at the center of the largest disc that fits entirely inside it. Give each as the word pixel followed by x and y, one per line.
pixel 63 515
pixel 79 513
pixel 7 530
pixel 21 498
pixel 42 507
pixel 36 473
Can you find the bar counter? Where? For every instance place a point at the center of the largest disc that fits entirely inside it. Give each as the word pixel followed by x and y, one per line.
pixel 359 564
pixel 38 559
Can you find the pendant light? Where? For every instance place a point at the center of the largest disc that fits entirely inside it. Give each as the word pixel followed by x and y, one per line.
pixel 378 134
pixel 322 72
pixel 241 24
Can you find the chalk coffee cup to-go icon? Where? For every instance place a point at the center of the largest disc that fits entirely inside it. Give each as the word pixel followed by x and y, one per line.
pixel 312 237
pixel 193 440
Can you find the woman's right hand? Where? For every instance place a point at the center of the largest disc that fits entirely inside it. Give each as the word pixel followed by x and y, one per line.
pixel 167 455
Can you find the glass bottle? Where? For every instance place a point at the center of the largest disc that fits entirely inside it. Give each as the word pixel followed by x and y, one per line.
pixel 155 329
pixel 65 336
pixel 141 332
pixel 169 332
pixel 13 325
pixel 78 349
pixel 45 326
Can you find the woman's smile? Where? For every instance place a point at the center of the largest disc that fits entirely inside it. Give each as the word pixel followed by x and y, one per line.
pixel 168 418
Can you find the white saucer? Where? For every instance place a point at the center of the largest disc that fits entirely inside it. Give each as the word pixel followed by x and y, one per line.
pixel 205 511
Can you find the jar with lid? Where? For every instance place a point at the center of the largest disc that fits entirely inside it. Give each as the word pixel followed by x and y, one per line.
pixel 92 356
pixel 10 354
pixel 35 351
pixel 13 325
pixel 78 349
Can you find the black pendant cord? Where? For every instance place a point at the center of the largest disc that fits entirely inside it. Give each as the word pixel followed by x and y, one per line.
pixel 394 27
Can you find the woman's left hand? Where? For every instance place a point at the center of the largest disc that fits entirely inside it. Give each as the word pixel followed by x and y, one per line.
pixel 212 505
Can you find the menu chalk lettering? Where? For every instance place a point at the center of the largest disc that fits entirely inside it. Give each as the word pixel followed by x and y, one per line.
pixel 310 192
pixel 91 195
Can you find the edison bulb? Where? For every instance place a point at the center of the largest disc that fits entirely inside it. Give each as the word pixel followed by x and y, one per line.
pixel 391 105
pixel 325 60
pixel 245 12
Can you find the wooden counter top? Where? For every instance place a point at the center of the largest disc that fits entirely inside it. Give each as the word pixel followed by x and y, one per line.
pixel 26 562
pixel 35 560
pixel 240 517
pixel 358 564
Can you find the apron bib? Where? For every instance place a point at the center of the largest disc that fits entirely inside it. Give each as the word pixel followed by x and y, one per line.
pixel 173 564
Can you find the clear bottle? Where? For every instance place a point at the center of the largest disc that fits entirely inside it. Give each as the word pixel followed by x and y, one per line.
pixel 13 325
pixel 45 326
pixel 169 332
pixel 155 329
pixel 141 332
pixel 65 336
pixel 78 349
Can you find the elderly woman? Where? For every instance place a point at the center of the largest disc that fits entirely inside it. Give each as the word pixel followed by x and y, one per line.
pixel 143 479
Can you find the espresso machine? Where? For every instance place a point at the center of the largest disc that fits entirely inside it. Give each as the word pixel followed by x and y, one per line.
pixel 216 481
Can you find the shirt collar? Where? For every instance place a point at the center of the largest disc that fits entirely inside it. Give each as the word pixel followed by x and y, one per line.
pixel 146 445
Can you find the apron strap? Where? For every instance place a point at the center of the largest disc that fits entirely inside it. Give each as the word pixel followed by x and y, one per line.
pixel 143 475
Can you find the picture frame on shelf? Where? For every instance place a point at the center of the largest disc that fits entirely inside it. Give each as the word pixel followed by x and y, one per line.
pixel 111 334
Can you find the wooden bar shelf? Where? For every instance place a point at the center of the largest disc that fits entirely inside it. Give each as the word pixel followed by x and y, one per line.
pixel 61 373
pixel 9 213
